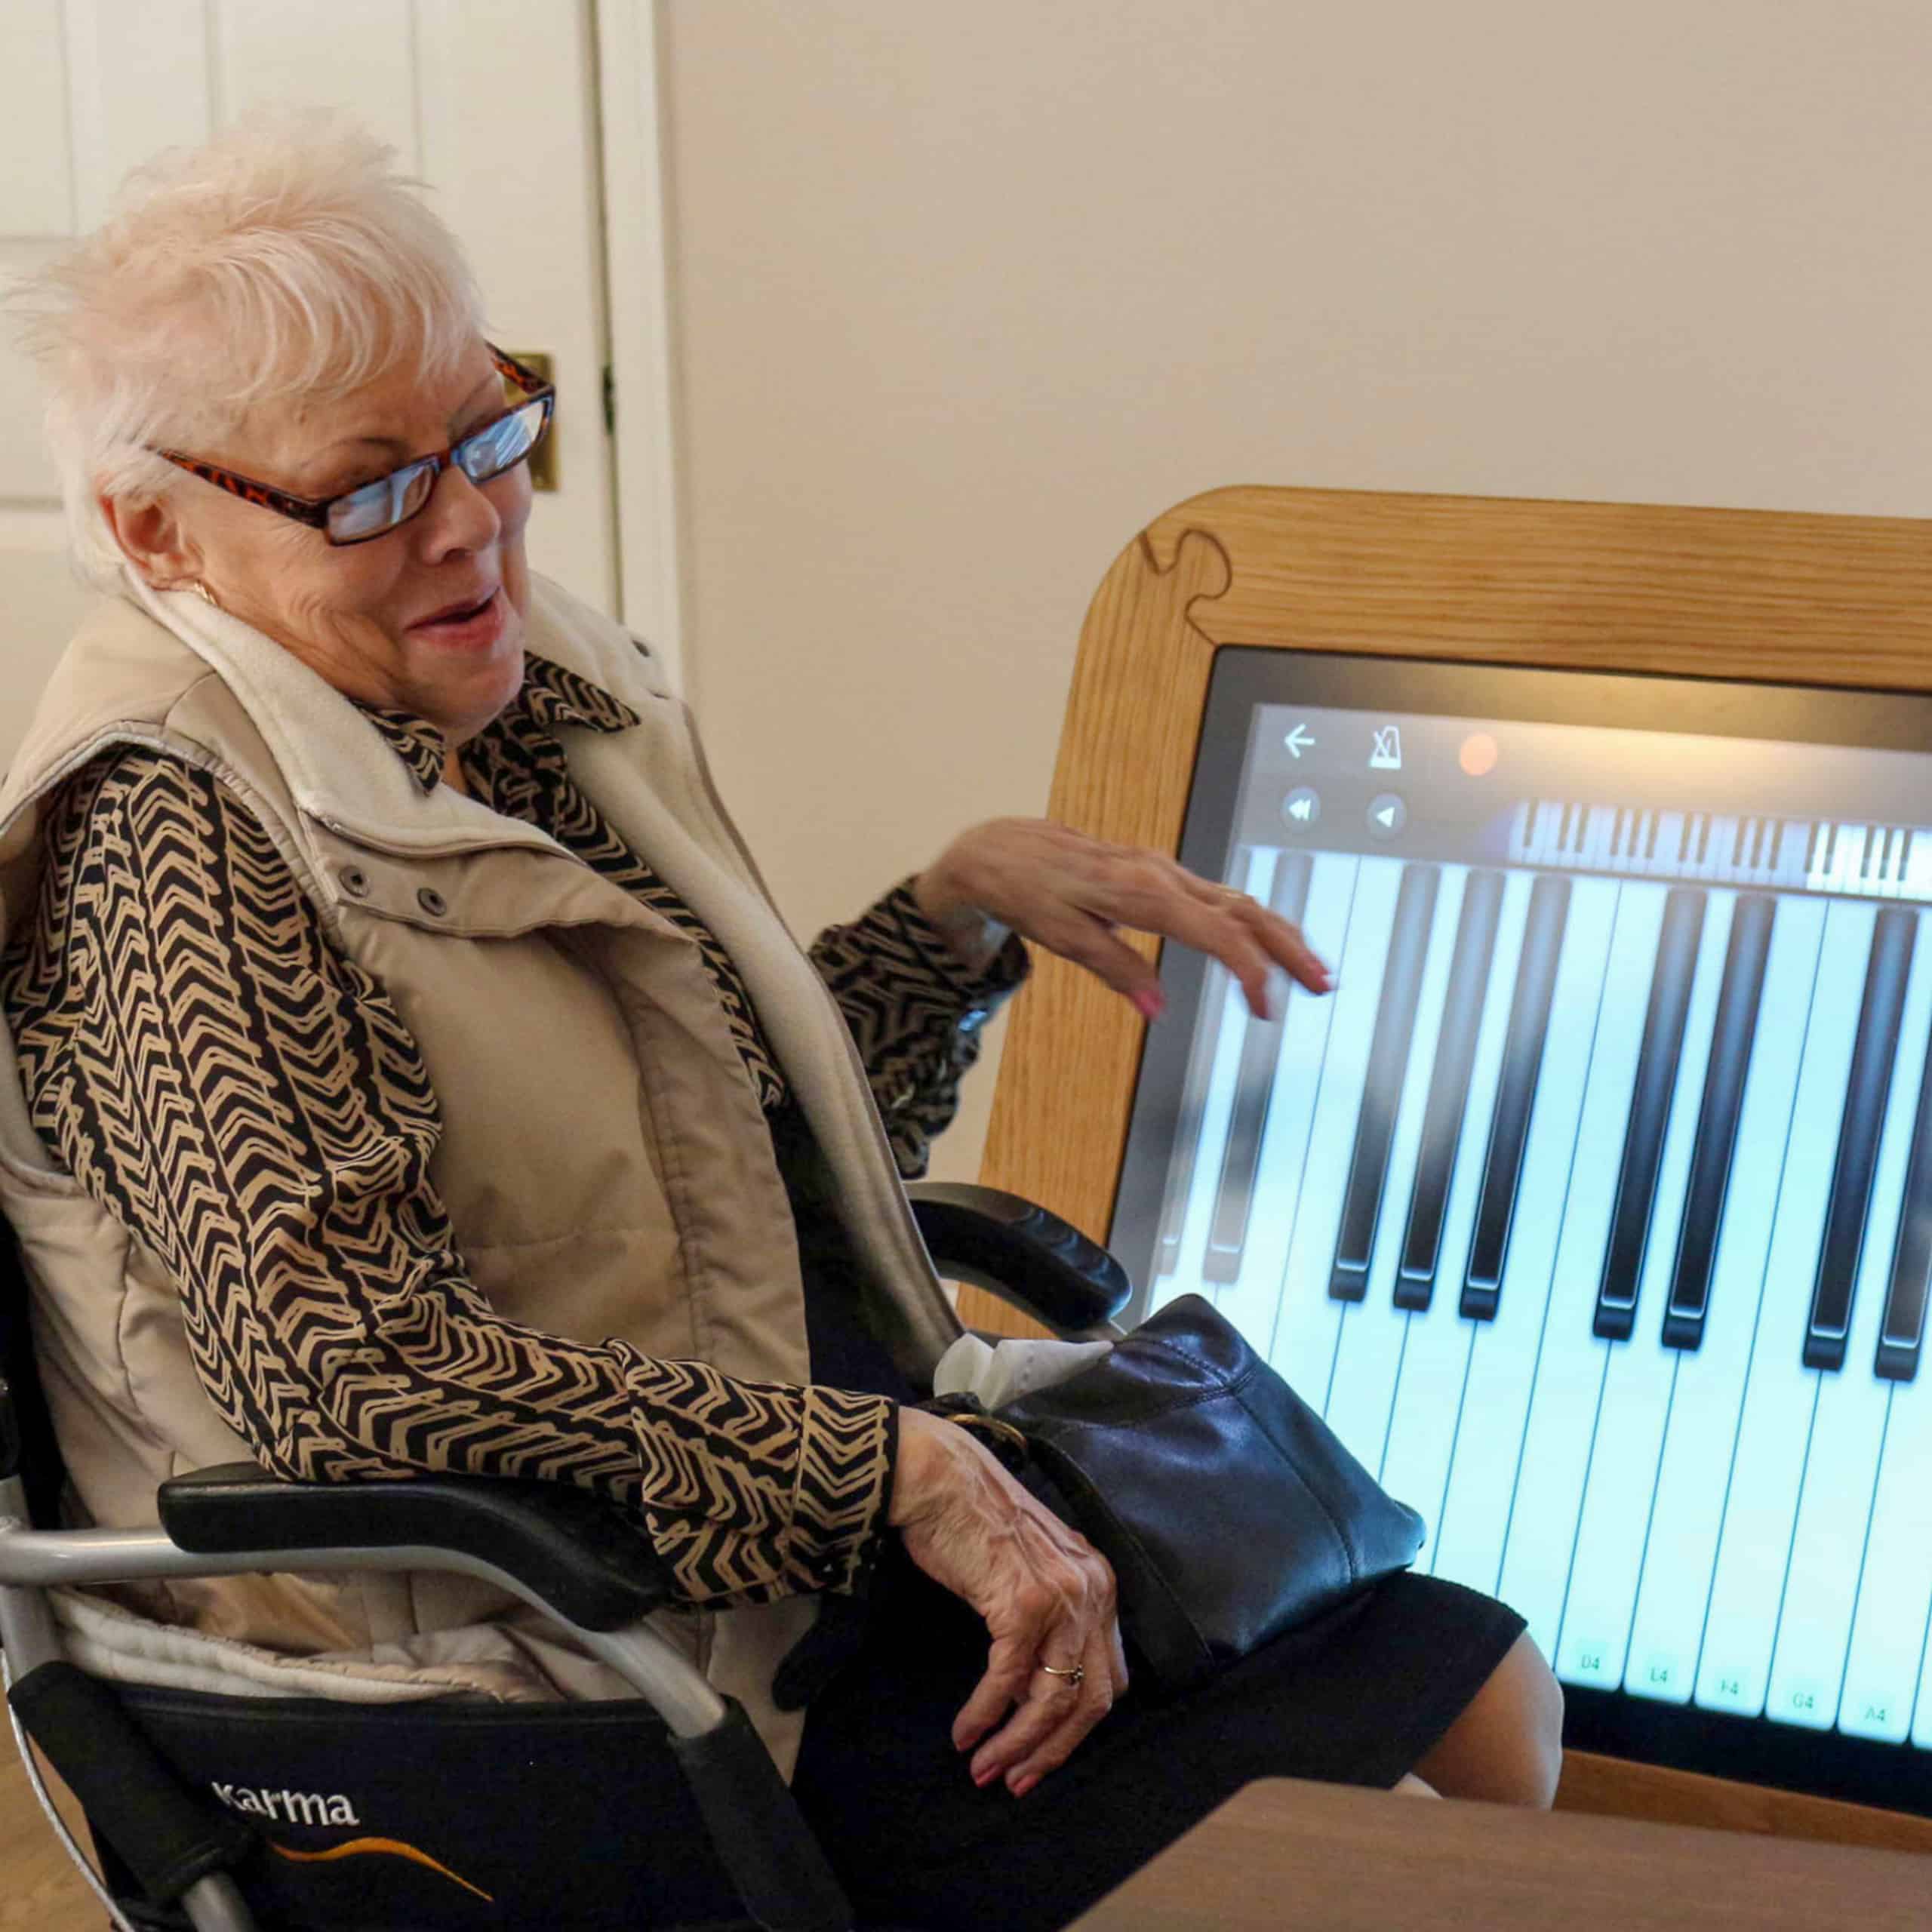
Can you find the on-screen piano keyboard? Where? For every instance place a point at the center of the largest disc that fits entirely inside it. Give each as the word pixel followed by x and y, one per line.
pixel 1595 1209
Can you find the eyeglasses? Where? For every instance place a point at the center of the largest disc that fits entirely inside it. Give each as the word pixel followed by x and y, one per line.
pixel 374 509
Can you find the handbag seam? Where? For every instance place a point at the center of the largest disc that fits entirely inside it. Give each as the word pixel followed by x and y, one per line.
pixel 1350 1553
pixel 1235 1385
pixel 1148 1568
pixel 1194 1399
pixel 1146 1401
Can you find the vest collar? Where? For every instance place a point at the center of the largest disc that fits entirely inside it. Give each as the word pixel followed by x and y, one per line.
pixel 342 772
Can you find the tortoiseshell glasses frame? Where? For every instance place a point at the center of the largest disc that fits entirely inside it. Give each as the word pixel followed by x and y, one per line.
pixel 374 509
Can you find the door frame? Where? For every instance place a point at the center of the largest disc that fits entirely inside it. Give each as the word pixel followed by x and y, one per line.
pixel 629 39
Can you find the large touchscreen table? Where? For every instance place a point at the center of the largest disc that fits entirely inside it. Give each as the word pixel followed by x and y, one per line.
pixel 1594 1207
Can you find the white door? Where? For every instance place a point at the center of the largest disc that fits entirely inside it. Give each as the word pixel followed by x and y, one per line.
pixel 489 101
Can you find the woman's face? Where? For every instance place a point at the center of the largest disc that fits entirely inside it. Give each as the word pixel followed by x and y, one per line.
pixel 394 621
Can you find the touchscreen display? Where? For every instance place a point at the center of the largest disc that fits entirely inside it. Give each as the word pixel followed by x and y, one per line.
pixel 1593 1208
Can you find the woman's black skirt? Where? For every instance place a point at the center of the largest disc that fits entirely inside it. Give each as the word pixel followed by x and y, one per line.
pixel 1358 1699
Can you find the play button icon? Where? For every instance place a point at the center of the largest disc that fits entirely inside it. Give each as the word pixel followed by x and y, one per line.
pixel 1387 815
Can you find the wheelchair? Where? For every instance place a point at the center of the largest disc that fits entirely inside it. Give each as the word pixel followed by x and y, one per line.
pixel 219 1813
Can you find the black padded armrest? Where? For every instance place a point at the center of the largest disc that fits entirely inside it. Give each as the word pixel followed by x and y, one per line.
pixel 584 1558
pixel 1041 1264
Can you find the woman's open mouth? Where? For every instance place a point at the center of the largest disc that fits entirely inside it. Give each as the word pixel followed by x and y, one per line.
pixel 471 626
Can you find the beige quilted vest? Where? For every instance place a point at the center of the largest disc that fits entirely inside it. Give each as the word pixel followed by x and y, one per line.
pixel 603 1160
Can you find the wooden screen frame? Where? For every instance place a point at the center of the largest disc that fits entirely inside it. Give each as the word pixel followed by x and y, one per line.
pixel 1744 594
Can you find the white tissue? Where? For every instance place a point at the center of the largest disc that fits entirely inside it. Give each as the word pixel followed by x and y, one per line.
pixel 1001 1373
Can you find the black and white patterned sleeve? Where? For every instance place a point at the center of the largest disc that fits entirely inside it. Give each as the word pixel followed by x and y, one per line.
pixel 184 1018
pixel 915 1012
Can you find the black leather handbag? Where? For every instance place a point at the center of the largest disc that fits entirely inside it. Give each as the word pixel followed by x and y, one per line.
pixel 1229 1510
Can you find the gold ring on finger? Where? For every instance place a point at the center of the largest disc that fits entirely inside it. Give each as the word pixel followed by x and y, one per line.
pixel 1075 1677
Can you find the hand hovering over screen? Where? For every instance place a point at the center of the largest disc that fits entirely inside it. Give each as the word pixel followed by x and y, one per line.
pixel 1071 893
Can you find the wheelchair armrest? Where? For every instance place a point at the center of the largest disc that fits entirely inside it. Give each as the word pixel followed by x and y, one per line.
pixel 1044 1265
pixel 581 1554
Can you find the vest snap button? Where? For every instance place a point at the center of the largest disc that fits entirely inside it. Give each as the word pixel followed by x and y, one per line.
pixel 354 881
pixel 432 901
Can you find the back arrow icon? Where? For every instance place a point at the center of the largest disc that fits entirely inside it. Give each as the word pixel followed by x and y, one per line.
pixel 1299 741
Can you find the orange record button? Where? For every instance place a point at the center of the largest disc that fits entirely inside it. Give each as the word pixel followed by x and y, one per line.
pixel 1478 754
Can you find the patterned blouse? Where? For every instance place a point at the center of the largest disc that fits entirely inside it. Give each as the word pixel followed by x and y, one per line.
pixel 148 859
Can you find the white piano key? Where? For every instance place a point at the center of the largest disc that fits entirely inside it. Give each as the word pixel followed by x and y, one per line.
pixel 1542 823
pixel 1569 1381
pixel 1435 1356
pixel 1596 841
pixel 1820 848
pixel 1919 867
pixel 1216 1110
pixel 1834 851
pixel 1851 853
pixel 1839 860
pixel 1791 855
pixel 1641 839
pixel 1250 1301
pixel 1369 1350
pixel 1834 1504
pixel 1694 1472
pixel 1628 1440
pixel 1696 861
pixel 1881 1670
pixel 1734 1662
pixel 1468 1546
pixel 1662 858
pixel 1887 864
pixel 1301 1347
pixel 1914 1476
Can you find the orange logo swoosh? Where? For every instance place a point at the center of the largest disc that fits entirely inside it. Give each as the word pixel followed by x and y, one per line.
pixel 382 1847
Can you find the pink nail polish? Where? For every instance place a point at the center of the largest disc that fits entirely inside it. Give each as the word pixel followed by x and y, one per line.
pixel 1021 1786
pixel 1150 1002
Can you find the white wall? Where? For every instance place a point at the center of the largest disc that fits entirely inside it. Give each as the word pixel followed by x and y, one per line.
pixel 965 294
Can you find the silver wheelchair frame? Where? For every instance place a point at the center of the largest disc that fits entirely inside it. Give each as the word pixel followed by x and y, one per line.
pixel 471 1526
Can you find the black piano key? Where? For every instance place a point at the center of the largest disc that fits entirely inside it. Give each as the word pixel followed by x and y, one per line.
pixel 1732 1036
pixel 1388 1062
pixel 1449 1086
pixel 1193 1101
pixel 1254 1085
pixel 1902 1334
pixel 1650 1113
pixel 1515 1096
pixel 1893 935
pixel 1187 1124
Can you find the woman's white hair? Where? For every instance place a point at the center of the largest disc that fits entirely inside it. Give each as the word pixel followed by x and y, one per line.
pixel 286 260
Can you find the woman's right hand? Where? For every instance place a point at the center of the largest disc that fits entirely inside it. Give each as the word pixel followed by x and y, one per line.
pixel 1046 1594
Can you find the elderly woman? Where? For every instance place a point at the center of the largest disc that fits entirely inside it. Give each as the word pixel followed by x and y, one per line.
pixel 412 1074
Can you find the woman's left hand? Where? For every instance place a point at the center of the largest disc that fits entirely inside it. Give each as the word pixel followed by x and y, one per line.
pixel 1070 893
